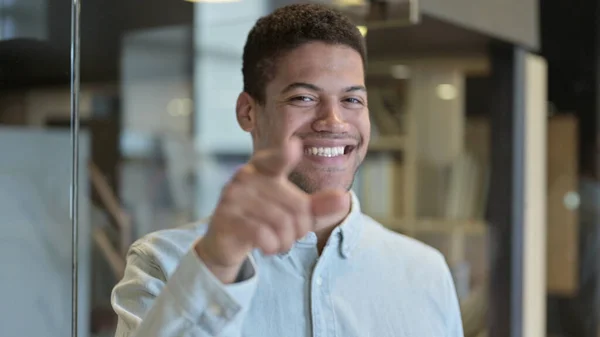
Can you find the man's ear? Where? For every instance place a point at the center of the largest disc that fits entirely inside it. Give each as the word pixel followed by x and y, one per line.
pixel 245 110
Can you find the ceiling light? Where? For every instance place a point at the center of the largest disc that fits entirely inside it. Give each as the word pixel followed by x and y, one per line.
pixel 572 200
pixel 400 72
pixel 446 92
pixel 180 107
pixel 349 2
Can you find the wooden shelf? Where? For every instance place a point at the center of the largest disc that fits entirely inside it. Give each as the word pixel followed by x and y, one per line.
pixel 387 143
pixel 441 226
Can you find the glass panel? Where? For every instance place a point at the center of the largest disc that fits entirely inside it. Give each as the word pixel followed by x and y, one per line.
pixel 137 82
pixel 35 173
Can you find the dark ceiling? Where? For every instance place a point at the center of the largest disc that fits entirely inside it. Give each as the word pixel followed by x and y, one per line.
pixel 570 42
pixel 430 37
pixel 568 28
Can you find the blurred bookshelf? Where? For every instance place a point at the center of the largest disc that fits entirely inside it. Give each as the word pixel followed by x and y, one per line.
pixel 434 226
pixel 426 170
pixel 387 143
pixel 426 173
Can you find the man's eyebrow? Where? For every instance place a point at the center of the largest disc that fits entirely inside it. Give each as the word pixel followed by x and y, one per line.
pixel 301 85
pixel 356 88
pixel 313 87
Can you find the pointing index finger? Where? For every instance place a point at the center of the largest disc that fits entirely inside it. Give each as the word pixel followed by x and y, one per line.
pixel 280 161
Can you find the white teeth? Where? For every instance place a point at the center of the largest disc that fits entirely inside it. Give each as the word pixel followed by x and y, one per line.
pixel 325 151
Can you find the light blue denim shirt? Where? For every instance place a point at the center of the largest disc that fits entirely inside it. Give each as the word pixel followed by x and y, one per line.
pixel 368 282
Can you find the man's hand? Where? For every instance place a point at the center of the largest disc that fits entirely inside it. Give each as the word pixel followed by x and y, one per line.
pixel 261 208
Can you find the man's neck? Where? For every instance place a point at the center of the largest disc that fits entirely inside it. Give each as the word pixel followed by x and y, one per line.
pixel 325 227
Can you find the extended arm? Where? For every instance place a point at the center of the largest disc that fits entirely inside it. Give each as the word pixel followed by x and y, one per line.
pixel 192 302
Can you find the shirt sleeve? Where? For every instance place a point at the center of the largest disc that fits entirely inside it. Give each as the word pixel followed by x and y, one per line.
pixel 193 302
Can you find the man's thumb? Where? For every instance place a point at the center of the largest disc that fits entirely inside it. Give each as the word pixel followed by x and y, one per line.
pixel 330 205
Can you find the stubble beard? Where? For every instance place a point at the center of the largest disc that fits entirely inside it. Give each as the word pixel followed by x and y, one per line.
pixel 307 185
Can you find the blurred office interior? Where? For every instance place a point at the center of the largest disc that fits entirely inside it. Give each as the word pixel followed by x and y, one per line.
pixel 485 145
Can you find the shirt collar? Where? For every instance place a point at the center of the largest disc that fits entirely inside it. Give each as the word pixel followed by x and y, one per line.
pixel 348 232
pixel 351 228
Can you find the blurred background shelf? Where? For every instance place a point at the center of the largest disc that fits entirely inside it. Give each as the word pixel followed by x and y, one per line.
pixel 435 226
pixel 387 143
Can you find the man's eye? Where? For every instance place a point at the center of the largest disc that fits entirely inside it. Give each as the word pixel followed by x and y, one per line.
pixel 302 99
pixel 353 100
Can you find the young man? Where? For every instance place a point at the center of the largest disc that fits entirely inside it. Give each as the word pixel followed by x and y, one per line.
pixel 287 252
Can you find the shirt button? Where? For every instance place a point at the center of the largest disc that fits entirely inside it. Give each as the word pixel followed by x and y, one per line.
pixel 319 281
pixel 215 310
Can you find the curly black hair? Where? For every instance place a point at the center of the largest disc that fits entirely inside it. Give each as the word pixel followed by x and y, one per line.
pixel 287 28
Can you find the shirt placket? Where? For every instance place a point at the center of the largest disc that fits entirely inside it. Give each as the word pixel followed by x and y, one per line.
pixel 322 319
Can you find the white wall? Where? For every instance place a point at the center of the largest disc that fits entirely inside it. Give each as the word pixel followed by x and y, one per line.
pixel 155 71
pixel 220 32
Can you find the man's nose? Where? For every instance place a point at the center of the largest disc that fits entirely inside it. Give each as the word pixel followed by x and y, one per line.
pixel 330 119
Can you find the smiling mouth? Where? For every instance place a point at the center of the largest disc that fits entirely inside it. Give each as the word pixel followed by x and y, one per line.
pixel 333 151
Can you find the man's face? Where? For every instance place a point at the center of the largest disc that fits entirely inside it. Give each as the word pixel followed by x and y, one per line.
pixel 318 95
